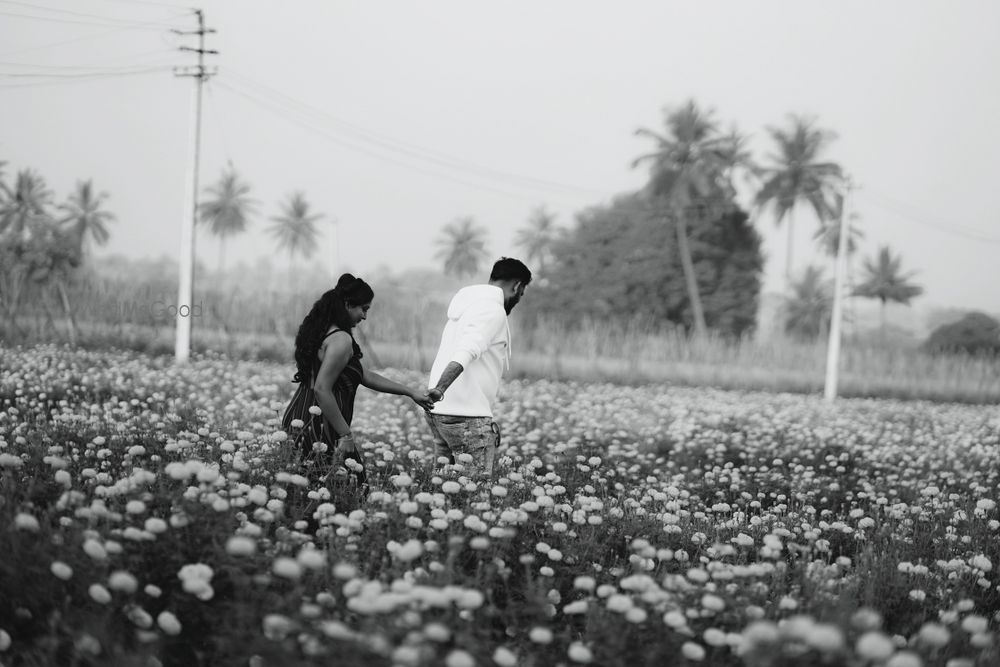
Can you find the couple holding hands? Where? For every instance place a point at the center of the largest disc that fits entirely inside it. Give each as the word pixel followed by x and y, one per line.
pixel 463 384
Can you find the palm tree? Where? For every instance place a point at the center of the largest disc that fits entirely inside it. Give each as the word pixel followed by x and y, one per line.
pixel 227 210
pixel 26 206
pixel 537 238
pixel 885 281
pixel 295 229
pixel 4 190
pixel 463 247
pixel 796 176
pixel 85 219
pixel 691 165
pixel 808 308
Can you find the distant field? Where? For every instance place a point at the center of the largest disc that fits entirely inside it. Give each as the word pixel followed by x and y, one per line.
pixel 152 514
pixel 592 352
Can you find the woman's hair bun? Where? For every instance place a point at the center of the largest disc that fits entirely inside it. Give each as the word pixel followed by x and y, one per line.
pixel 345 282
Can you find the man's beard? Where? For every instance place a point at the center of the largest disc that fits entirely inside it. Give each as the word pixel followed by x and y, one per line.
pixel 508 304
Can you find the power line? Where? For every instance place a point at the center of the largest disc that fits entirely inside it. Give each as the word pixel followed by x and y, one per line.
pixel 84 78
pixel 54 19
pixel 220 126
pixel 80 75
pixel 898 207
pixel 101 65
pixel 72 40
pixel 112 19
pixel 419 152
pixel 284 112
pixel 149 3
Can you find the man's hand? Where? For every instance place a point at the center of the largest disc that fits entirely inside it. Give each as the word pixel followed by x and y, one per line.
pixel 435 394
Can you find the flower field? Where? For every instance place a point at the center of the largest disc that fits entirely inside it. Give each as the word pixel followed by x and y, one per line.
pixel 151 515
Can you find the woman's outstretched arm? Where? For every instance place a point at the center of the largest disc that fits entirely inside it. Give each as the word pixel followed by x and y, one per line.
pixel 382 384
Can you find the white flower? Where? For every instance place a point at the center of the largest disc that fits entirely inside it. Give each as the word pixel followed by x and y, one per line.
pixel 411 550
pixel 712 602
pixel 578 652
pixel 61 570
pixel 311 559
pixel 168 623
pixel 5 640
pixel 123 581
pixel 825 638
pixel 437 632
pixel 693 651
pixel 459 658
pixel 315 410
pixel 99 594
pixel 934 635
pixel 874 646
pixel 619 603
pixel 26 522
pixel 277 627
pixel 974 624
pixel 504 657
pixel 904 659
pixel 540 635
pixel 286 568
pixel 238 545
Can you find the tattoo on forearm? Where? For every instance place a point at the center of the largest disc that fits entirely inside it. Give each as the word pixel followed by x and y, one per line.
pixel 452 371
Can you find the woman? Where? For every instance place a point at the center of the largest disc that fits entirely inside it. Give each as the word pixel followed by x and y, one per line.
pixel 329 371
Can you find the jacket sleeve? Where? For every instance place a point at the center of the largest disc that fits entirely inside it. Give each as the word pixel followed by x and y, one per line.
pixel 477 327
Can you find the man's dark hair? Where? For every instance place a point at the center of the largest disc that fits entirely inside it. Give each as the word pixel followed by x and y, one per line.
pixel 508 268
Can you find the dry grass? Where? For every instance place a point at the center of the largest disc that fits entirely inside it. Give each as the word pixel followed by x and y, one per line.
pixel 404 329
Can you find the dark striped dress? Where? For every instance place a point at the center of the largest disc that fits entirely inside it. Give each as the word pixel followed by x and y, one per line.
pixel 316 428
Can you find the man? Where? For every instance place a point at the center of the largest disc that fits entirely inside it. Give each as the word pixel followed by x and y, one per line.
pixel 474 353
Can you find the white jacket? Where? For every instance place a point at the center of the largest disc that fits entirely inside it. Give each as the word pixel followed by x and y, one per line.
pixel 478 337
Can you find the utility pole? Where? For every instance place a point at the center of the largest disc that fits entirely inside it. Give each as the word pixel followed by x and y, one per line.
pixel 185 292
pixel 833 345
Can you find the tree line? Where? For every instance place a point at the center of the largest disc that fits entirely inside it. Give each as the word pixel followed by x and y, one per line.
pixel 681 250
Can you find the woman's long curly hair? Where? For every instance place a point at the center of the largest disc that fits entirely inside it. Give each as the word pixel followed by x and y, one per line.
pixel 330 309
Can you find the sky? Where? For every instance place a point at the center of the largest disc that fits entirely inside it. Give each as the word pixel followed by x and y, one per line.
pixel 396 118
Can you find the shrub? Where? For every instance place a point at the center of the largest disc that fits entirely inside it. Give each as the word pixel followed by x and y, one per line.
pixel 975 333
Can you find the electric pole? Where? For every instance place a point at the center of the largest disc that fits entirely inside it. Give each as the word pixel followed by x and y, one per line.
pixel 833 345
pixel 185 292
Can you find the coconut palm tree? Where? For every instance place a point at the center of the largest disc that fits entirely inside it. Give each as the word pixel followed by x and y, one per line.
pixel 295 229
pixel 462 247
pixel 26 206
pixel 884 280
pixel 808 308
pixel 537 238
pixel 227 210
pixel 691 165
pixel 796 176
pixel 4 190
pixel 84 218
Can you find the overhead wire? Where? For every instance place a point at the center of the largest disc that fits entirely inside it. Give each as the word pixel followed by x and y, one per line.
pixel 55 19
pixel 412 150
pixel 897 207
pixel 104 33
pixel 55 10
pixel 84 78
pixel 286 112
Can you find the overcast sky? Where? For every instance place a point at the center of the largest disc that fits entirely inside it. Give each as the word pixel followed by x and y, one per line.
pixel 397 117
